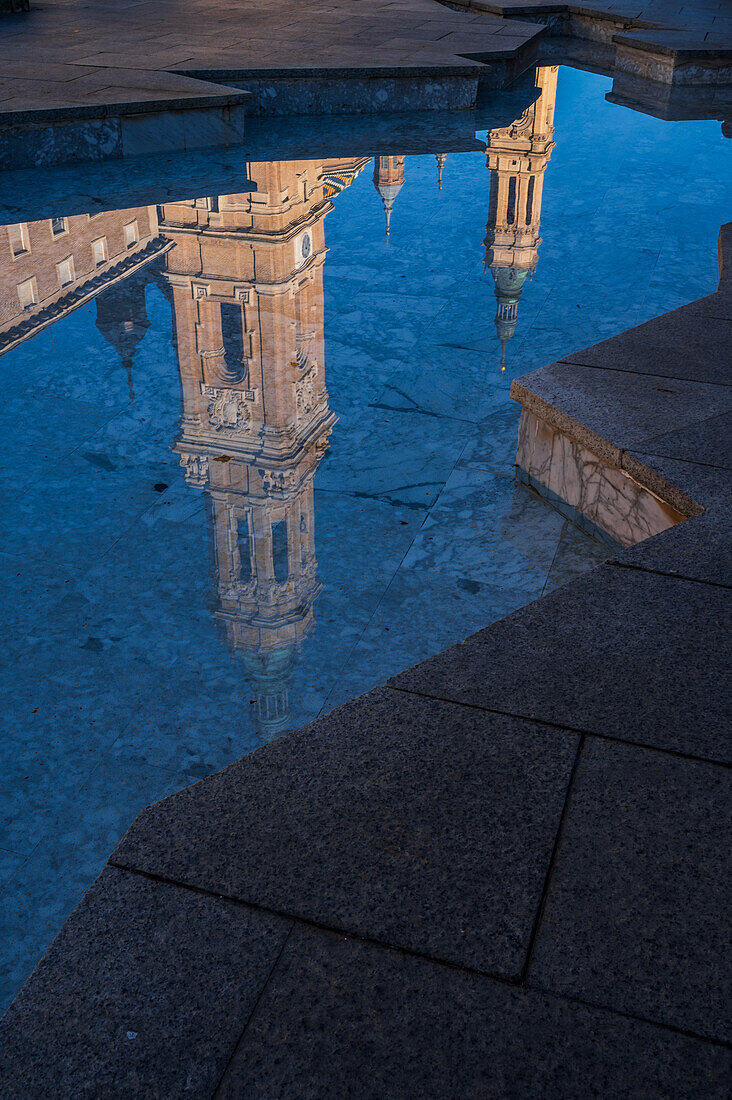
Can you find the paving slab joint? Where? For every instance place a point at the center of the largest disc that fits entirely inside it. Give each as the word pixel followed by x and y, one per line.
pixel 552 861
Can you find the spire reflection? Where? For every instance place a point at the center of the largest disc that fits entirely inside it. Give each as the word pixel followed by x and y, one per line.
pixel 517 156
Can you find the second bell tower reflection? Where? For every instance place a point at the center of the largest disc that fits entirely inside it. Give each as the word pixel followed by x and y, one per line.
pixel 247 288
pixel 517 158
pixel 388 181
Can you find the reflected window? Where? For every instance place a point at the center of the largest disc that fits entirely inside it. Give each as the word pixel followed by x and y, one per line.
pixel 27 293
pixel 232 335
pixel 65 271
pixel 132 234
pixel 99 250
pixel 530 201
pixel 511 205
pixel 58 226
pixel 18 239
pixel 243 542
pixel 279 551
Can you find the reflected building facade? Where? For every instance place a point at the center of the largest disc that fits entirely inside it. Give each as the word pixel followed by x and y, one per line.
pixel 246 285
pixel 517 156
pixel 51 267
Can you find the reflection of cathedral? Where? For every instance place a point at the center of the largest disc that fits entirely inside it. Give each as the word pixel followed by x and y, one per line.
pixel 247 287
pixel 517 156
pixel 244 276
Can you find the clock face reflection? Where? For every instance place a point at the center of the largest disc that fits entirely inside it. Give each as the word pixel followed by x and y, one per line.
pixel 306 246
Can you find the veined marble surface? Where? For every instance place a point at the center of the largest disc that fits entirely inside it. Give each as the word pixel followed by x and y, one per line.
pixel 607 497
pixel 122 682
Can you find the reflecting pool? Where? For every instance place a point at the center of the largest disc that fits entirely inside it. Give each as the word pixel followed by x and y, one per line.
pixel 258 444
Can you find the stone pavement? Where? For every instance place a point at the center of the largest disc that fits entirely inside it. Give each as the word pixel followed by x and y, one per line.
pixel 503 874
pixel 131 51
pixel 128 77
pixel 127 50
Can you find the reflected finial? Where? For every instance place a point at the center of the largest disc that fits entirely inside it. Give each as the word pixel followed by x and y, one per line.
pixel 504 345
pixel 388 181
pixel 440 158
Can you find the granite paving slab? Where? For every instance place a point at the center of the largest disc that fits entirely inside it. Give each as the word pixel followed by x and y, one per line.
pixel 609 410
pixel 341 1018
pixel 101 92
pixel 675 345
pixel 682 42
pixel 708 441
pixel 700 548
pixel 144 993
pixel 412 822
pixel 127 37
pixel 250 34
pixel 619 652
pixel 636 916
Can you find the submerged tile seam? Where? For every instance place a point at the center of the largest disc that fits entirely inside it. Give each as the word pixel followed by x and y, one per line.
pixel 552 861
pixel 516 984
pixel 384 498
pixel 250 1017
pixel 560 725
pixel 417 410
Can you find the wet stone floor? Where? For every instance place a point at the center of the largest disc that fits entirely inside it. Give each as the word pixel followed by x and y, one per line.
pixel 258 455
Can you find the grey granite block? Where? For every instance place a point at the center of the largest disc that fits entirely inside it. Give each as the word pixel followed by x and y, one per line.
pixel 637 916
pixel 345 1019
pixel 709 441
pixel 394 818
pixel 607 410
pixel 700 548
pixel 620 652
pixel 680 344
pixel 719 304
pixel 144 992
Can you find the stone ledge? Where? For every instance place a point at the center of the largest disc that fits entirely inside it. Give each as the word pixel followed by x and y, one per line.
pixel 613 502
pixel 230 97
pixel 616 384
pixel 422 56
pixel 656 46
pixel 678 44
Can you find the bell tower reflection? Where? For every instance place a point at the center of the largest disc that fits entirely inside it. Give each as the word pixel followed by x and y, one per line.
pixel 517 158
pixel 247 288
